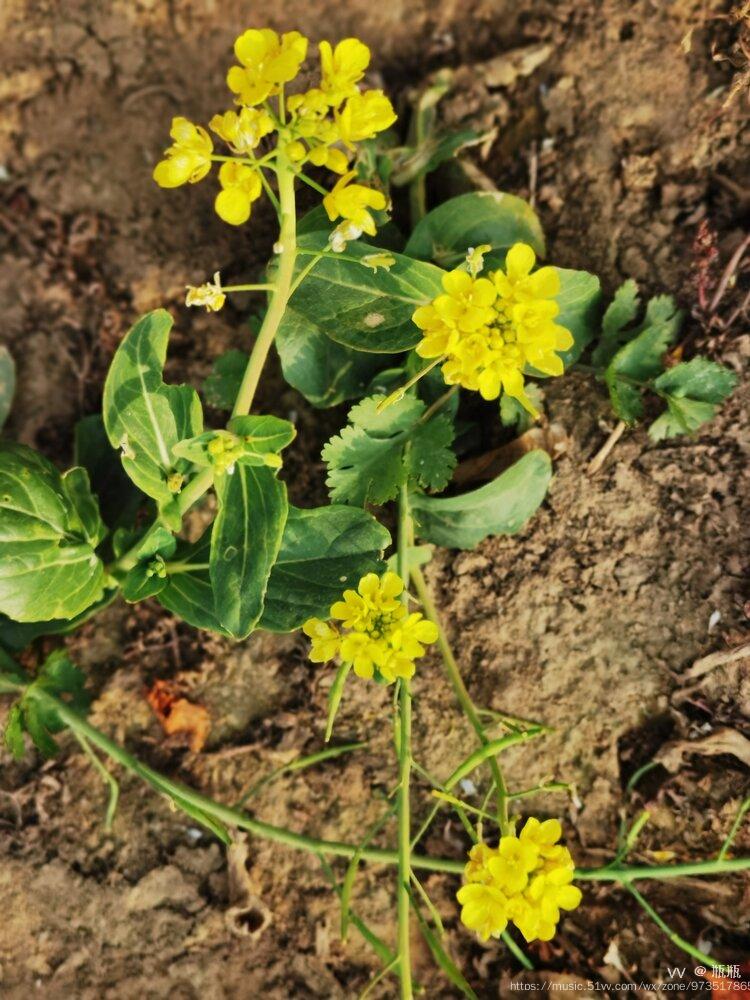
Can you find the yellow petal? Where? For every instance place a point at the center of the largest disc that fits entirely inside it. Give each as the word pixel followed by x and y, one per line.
pixel 233 206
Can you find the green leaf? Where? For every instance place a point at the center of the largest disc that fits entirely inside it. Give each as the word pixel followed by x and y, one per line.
pixel 322 552
pixel 698 379
pixel 49 568
pixel 470 220
pixel 78 489
pixel 682 416
pixel 356 306
pixel 501 507
pixel 579 299
pixel 189 593
pixel 119 498
pixel 641 359
pixel 324 372
pixel 263 434
pixel 222 385
pixel 62 678
pixel 13 734
pixel 149 576
pixel 7 383
pixel 376 452
pixel 16 636
pixel 245 542
pixel 143 416
pixel 621 311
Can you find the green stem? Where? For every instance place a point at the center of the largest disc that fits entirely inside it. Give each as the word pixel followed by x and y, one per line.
pixel 463 696
pixel 673 936
pixel 280 296
pixel 403 898
pixel 248 288
pixel 107 777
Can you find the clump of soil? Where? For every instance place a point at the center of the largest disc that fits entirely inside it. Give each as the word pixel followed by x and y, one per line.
pixel 589 620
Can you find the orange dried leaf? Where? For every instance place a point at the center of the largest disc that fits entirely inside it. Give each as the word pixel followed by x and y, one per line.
pixel 178 715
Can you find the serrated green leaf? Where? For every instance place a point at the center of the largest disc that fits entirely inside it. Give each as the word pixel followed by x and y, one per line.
pixel 119 498
pixel 78 490
pixel 430 459
pixel 34 724
pixel 143 416
pixel 620 313
pixel 7 383
pixel 13 734
pixel 355 306
pixel 61 677
pixel 245 542
pixel 322 552
pixel 698 379
pixel 222 385
pixel 470 220
pixel 682 416
pixel 49 569
pixel 378 450
pixel 501 507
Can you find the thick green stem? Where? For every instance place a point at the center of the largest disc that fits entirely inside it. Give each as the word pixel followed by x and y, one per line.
pixel 282 286
pixel 404 753
pixel 463 696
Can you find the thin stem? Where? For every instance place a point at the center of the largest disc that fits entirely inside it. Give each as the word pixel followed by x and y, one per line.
pixel 439 403
pixel 673 936
pixel 313 184
pixel 403 899
pixel 248 288
pixel 303 274
pixel 463 696
pixel 106 776
pixel 280 297
pixel 744 808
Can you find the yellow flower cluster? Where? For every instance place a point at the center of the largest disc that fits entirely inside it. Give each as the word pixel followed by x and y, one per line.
pixel 377 633
pixel 525 879
pixel 320 126
pixel 488 329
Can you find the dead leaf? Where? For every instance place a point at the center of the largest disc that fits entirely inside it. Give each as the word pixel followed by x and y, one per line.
pixel 178 715
pixel 505 69
pixel 552 438
pixel 722 741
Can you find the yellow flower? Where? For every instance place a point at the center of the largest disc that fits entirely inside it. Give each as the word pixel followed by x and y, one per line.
pixel 527 880
pixel 342 68
pixel 243 131
pixel 363 116
pixel 240 187
pixel 188 159
pixel 377 634
pixel 209 295
pixel 490 330
pixel 484 909
pixel 326 156
pixel 267 61
pixel 352 201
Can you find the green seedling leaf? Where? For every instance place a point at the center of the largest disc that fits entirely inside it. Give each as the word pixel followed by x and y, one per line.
pixel 376 452
pixel 501 507
pixel 49 568
pixel 334 697
pixel 245 542
pixel 355 306
pixel 119 498
pixel 222 385
pixel 7 383
pixel 641 358
pixel 322 552
pixel 470 220
pixel 144 417
pixel 620 313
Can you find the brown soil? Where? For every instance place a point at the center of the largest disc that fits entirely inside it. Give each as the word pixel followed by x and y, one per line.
pixel 587 620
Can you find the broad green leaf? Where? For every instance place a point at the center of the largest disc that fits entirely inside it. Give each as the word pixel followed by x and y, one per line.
pixel 501 507
pixel 49 568
pixel 262 434
pixel 7 383
pixel 580 308
pixel 222 385
pixel 376 452
pixel 324 372
pixel 356 306
pixel 470 220
pixel 188 593
pixel 16 636
pixel 641 359
pixel 698 379
pixel 119 498
pixel 620 313
pixel 78 490
pixel 144 417
pixel 244 544
pixel 323 551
